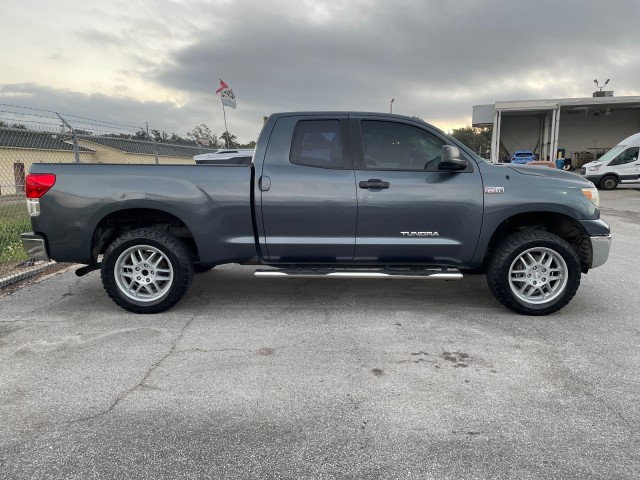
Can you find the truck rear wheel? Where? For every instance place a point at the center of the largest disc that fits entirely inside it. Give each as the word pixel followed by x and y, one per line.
pixel 146 270
pixel 534 272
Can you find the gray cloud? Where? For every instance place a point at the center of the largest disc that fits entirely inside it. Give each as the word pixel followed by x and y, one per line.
pixel 100 38
pixel 437 59
pixel 97 112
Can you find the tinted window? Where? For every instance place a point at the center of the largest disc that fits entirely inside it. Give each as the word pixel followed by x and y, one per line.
pixel 628 156
pixel 395 146
pixel 317 143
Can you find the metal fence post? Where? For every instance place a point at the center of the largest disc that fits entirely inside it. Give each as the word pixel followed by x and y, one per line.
pixel 153 141
pixel 76 150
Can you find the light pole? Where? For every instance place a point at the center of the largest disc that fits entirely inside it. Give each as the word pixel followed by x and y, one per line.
pixel 391 105
pixel 598 85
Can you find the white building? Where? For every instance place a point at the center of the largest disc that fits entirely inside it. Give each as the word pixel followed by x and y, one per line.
pixel 579 129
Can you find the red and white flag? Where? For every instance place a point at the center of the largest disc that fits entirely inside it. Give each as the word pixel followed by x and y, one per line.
pixel 228 98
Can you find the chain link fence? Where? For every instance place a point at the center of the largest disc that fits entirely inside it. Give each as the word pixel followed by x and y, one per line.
pixel 29 136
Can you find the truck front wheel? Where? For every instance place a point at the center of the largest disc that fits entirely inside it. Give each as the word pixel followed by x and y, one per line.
pixel 534 272
pixel 146 270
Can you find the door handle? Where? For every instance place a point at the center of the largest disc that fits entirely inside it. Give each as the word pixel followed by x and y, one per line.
pixel 374 183
pixel 264 183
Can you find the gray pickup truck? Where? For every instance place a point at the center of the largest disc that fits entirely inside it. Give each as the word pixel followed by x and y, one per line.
pixel 329 194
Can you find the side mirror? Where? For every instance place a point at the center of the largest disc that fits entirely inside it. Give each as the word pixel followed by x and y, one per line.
pixel 451 159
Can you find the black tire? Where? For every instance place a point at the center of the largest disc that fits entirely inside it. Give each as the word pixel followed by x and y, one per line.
pixel 507 272
pixel 609 182
pixel 159 281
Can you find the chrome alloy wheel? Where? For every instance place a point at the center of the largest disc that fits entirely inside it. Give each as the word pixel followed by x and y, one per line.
pixel 538 275
pixel 143 273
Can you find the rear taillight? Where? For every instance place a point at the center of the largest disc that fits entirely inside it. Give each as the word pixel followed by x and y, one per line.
pixel 38 184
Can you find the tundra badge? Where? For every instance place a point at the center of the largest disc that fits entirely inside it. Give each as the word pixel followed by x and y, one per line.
pixel 420 234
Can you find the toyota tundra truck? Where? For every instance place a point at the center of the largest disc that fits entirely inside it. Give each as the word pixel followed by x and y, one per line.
pixel 326 195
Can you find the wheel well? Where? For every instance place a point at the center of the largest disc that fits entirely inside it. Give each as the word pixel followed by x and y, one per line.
pixel 564 226
pixel 117 223
pixel 614 175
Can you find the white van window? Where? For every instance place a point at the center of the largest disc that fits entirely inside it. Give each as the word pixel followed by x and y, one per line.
pixel 611 153
pixel 628 156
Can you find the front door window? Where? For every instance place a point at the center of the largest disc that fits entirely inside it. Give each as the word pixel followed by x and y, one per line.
pixel 628 156
pixel 394 146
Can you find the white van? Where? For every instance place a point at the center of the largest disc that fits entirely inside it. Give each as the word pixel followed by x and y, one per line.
pixel 619 165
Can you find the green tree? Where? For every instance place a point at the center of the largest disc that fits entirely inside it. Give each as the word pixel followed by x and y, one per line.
pixel 178 140
pixel 477 139
pixel 160 137
pixel 229 140
pixel 251 144
pixel 141 135
pixel 202 132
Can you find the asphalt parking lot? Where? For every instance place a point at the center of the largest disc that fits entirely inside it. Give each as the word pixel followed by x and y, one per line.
pixel 250 378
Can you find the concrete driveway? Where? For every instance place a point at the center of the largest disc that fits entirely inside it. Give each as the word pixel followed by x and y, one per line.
pixel 315 379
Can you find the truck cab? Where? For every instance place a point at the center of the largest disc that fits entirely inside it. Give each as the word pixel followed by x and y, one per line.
pixel 367 190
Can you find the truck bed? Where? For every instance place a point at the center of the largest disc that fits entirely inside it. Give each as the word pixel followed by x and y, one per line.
pixel 213 202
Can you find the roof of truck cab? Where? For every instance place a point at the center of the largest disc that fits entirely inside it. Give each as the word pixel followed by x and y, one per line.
pixel 354 114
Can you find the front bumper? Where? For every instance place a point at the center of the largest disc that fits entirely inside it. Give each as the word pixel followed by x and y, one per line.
pixel 592 177
pixel 35 246
pixel 600 246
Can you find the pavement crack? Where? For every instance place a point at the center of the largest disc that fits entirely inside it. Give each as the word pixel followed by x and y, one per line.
pixel 544 337
pixel 293 296
pixel 142 382
pixel 64 295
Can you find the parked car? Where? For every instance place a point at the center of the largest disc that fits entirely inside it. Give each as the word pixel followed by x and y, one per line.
pixel 542 163
pixel 523 157
pixel 327 195
pixel 240 156
pixel 621 164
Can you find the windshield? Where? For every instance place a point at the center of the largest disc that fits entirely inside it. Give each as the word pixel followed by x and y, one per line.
pixel 613 153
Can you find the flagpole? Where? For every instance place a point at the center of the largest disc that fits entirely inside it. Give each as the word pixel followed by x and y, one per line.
pixel 226 139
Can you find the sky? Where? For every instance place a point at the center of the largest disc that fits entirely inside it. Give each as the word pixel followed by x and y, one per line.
pixel 159 62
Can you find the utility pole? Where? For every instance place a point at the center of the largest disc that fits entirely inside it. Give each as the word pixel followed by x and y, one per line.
pixel 76 149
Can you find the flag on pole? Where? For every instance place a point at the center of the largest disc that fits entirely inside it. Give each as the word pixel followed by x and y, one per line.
pixel 228 98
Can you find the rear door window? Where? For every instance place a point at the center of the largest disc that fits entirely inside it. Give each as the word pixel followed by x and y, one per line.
pixel 318 143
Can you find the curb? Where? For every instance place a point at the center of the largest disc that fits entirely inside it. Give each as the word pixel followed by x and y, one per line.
pixel 17 277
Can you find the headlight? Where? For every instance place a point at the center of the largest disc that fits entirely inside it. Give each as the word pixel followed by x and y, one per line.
pixel 594 168
pixel 593 195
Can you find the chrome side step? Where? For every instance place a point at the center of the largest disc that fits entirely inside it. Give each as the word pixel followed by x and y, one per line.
pixel 426 274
